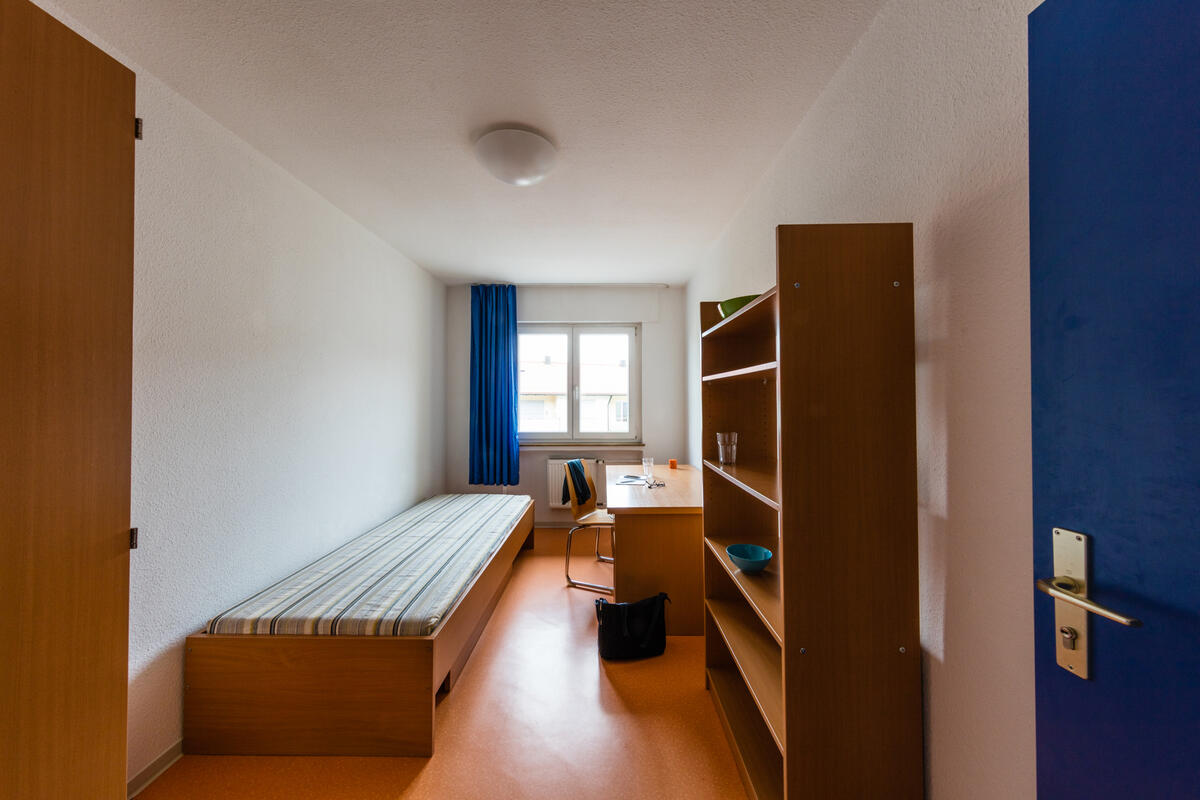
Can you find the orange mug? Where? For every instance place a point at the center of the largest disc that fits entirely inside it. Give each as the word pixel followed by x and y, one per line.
pixel 672 463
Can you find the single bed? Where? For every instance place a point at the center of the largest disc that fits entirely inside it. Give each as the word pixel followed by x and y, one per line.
pixel 346 656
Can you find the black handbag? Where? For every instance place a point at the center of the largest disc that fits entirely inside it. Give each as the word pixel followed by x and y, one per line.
pixel 632 630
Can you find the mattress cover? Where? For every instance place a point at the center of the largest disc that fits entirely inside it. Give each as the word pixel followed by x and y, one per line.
pixel 398 579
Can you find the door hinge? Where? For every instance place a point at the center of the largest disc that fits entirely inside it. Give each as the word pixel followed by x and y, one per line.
pixel 133 538
pixel 137 127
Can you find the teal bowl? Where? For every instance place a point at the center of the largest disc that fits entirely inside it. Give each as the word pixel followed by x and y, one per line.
pixel 734 304
pixel 749 557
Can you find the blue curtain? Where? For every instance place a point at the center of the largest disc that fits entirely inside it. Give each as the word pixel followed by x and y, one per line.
pixel 495 449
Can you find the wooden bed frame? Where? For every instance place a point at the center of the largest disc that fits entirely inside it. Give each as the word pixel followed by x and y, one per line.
pixel 335 695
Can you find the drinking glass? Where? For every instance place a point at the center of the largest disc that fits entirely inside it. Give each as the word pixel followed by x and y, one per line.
pixel 727 448
pixel 648 467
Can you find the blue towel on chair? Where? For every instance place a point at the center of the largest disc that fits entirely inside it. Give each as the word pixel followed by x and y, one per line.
pixel 579 479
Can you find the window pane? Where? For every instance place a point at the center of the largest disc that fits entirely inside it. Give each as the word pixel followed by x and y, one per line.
pixel 604 382
pixel 542 387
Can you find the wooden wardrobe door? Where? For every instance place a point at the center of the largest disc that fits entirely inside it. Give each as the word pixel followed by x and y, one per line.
pixel 66 308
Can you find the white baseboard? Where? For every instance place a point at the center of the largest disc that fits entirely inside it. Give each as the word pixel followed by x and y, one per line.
pixel 155 768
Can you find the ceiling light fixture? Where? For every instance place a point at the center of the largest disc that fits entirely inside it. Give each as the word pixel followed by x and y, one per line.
pixel 517 156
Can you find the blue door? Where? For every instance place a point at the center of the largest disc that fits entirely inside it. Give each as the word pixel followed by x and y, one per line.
pixel 1114 98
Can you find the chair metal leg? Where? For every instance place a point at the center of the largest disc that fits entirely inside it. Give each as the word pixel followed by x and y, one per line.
pixel 595 587
pixel 605 559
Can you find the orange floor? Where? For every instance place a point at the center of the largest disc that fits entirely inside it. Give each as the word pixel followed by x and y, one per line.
pixel 536 714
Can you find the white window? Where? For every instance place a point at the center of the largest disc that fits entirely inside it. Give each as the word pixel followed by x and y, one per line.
pixel 579 382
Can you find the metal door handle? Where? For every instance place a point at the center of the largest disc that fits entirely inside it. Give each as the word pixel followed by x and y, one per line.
pixel 1063 588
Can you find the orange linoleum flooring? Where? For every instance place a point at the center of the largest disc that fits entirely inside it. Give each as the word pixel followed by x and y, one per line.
pixel 536 714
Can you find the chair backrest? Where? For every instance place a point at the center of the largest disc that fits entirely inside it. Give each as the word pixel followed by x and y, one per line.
pixel 580 509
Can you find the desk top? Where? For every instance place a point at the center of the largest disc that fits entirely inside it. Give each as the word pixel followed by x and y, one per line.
pixel 683 493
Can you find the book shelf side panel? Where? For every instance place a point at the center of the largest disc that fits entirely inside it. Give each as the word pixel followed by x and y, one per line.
pixel 848 511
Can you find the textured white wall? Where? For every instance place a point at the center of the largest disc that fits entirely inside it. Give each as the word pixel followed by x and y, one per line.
pixel 926 122
pixel 288 388
pixel 664 398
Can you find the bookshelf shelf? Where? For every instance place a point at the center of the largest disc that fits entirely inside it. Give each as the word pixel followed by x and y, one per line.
pixel 757 657
pixel 762 591
pixel 744 373
pixel 748 319
pixel 758 482
pixel 757 758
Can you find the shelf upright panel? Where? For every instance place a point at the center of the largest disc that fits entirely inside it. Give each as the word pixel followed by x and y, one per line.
pixel 846 381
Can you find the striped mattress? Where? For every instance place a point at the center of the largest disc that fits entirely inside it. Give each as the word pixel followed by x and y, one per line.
pixel 398 579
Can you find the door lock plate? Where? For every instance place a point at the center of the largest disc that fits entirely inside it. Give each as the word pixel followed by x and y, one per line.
pixel 1071 622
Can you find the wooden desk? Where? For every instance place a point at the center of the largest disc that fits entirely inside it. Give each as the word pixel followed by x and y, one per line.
pixel 660 542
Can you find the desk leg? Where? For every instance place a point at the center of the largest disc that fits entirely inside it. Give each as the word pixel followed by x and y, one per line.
pixel 663 553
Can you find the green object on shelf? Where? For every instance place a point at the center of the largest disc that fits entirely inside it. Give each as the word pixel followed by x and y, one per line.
pixel 728 307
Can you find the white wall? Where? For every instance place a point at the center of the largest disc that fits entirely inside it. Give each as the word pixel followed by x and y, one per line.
pixel 926 122
pixel 288 388
pixel 664 398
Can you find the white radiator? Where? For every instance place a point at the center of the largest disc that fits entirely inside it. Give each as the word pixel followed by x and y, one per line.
pixel 555 473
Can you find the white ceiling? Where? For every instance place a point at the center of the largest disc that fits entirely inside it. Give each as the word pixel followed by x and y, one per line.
pixel 665 113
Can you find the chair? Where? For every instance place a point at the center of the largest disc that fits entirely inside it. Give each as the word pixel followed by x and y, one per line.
pixel 587 516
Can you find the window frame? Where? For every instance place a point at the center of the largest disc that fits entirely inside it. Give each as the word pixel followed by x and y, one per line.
pixel 573 435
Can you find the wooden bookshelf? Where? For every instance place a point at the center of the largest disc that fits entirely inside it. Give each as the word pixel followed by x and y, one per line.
pixel 814 664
